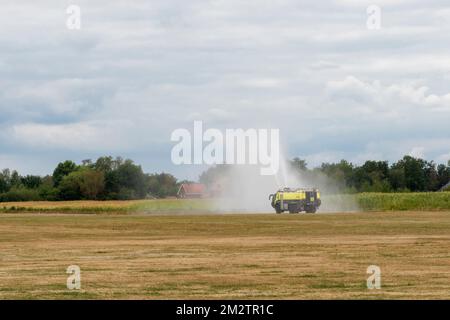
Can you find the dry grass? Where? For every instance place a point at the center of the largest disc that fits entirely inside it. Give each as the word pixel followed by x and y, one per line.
pixel 72 204
pixel 114 206
pixel 226 256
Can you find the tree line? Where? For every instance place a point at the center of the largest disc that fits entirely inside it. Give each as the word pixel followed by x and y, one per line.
pixel 107 178
pixel 408 174
pixel 110 178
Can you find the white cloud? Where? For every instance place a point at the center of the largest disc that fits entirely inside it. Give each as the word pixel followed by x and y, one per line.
pixel 83 136
pixel 417 152
pixel 139 69
pixel 375 91
pixel 443 158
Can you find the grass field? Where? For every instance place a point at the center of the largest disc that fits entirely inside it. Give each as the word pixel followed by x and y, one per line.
pixel 403 201
pixel 363 201
pixel 226 256
pixel 418 201
pixel 116 206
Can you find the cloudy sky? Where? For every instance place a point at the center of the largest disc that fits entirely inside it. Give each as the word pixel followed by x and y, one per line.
pixel 138 69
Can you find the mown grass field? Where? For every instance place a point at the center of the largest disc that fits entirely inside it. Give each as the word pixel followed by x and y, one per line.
pixel 359 202
pixel 305 256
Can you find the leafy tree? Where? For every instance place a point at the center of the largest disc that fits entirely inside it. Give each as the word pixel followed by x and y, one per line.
pixel 84 183
pixel 15 179
pixel 299 164
pixel 69 187
pixel 131 177
pixel 63 169
pixel 431 177
pixel 414 172
pixel 91 183
pixel 109 167
pixel 372 176
pixel 31 182
pixel 162 185
pixel 9 180
pixel 443 174
pixel 341 173
pixel 5 178
pixel 47 191
pixel 106 164
pixel 397 178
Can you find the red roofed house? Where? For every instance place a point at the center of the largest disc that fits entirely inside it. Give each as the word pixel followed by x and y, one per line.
pixel 191 190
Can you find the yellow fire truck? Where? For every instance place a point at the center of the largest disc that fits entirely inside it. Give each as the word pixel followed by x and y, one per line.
pixel 296 200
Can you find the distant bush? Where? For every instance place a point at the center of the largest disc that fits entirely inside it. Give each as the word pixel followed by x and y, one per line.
pixel 49 193
pixel 85 183
pixel 126 194
pixel 20 194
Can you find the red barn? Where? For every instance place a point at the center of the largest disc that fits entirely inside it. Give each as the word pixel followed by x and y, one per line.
pixel 191 190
